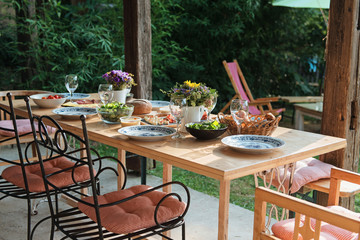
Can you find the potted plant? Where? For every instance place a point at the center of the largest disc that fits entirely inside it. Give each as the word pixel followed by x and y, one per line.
pixel 198 98
pixel 121 82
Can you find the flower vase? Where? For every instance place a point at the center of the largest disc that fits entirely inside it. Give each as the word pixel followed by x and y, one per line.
pixel 120 95
pixel 192 114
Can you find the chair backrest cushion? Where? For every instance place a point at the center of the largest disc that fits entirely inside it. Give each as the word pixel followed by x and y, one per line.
pixel 233 70
pixel 23 126
pixel 307 170
pixel 134 214
pixel 14 174
pixel 284 229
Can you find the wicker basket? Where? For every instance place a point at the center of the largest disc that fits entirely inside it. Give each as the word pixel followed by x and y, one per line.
pixel 258 125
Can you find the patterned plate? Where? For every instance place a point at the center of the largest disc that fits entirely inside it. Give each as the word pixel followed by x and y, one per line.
pixel 253 143
pixel 76 95
pixel 157 104
pixel 147 132
pixel 75 112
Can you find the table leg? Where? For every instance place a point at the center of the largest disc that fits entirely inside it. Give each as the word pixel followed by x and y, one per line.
pixel 122 159
pixel 224 201
pixel 167 177
pixel 299 120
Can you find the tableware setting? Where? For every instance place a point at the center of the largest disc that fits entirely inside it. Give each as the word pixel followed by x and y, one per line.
pixel 112 112
pixel 48 100
pixel 71 84
pixel 147 132
pixel 73 113
pixel 75 96
pixel 106 93
pixel 239 110
pixel 177 106
pixel 206 130
pixel 160 119
pixel 254 144
pixel 157 104
pixel 130 121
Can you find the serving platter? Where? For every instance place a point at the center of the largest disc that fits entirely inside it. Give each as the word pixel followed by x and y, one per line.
pixel 254 144
pixel 160 120
pixel 75 95
pixel 74 113
pixel 157 104
pixel 147 132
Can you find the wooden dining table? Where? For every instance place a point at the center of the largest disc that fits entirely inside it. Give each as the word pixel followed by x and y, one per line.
pixel 210 158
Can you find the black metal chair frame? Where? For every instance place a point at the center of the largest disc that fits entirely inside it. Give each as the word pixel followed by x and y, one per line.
pixel 72 222
pixel 8 188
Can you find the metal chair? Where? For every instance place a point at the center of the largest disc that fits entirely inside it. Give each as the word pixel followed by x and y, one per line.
pixel 311 221
pixel 21 179
pixel 133 213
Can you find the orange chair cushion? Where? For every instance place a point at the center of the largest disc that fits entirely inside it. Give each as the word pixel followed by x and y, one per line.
pixel 134 214
pixel 307 170
pixel 284 229
pixel 14 174
pixel 23 126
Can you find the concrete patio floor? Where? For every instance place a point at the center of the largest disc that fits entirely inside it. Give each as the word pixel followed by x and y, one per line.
pixel 201 220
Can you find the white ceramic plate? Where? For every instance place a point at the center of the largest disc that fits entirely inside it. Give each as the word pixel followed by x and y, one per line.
pixel 253 143
pixel 157 104
pixel 75 112
pixel 147 132
pixel 76 95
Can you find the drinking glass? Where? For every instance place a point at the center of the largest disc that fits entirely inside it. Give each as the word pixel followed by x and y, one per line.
pixel 210 106
pixel 177 106
pixel 71 83
pixel 105 93
pixel 239 111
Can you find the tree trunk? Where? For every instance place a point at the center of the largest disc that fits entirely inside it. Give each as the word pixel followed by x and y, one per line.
pixel 137 31
pixel 342 88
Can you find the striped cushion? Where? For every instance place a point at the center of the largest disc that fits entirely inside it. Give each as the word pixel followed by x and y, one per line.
pixel 134 214
pixel 284 229
pixel 14 174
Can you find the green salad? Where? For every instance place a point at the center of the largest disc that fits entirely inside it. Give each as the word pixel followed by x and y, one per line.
pixel 215 125
pixel 112 112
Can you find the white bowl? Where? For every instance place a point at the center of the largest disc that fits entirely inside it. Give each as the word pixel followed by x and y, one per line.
pixel 47 103
pixel 130 121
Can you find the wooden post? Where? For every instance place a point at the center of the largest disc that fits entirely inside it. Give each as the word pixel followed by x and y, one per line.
pixel 342 87
pixel 137 31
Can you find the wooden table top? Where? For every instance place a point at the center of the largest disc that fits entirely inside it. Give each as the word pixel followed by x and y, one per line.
pixel 210 158
pixel 300 99
pixel 317 107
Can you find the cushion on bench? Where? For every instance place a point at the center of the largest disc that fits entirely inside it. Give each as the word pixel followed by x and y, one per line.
pixel 307 170
pixel 284 229
pixel 134 214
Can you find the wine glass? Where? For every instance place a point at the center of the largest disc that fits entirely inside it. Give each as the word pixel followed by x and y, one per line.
pixel 71 83
pixel 105 92
pixel 239 111
pixel 176 108
pixel 210 105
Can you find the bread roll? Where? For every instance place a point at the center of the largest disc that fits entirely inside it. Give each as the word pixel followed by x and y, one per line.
pixel 141 106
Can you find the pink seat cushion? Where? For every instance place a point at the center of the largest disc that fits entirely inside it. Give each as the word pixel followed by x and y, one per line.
pixel 33 172
pixel 307 170
pixel 134 214
pixel 284 229
pixel 23 126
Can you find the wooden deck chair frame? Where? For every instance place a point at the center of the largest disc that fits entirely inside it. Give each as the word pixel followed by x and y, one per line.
pixel 310 210
pixel 259 103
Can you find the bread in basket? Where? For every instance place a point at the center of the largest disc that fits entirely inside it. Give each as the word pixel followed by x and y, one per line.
pixel 257 124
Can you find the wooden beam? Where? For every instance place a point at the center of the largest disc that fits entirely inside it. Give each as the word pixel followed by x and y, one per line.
pixel 342 87
pixel 137 31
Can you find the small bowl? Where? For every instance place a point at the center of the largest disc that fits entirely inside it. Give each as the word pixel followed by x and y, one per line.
pixel 205 134
pixel 130 121
pixel 48 103
pixel 113 115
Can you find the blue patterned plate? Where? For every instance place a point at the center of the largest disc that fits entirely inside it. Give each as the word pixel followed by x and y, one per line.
pixel 252 143
pixel 147 132
pixel 157 104
pixel 75 112
pixel 76 95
